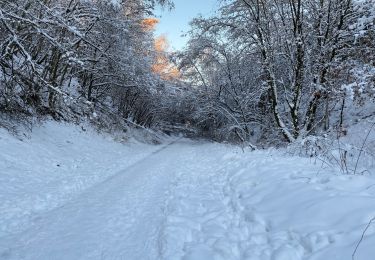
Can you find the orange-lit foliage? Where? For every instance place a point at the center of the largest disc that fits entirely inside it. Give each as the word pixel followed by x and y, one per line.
pixel 162 65
pixel 161 44
pixel 149 24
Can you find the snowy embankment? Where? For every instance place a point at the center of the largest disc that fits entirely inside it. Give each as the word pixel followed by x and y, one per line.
pixel 58 162
pixel 68 194
pixel 266 205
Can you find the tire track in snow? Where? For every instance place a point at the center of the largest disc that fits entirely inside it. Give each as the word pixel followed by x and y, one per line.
pixel 118 218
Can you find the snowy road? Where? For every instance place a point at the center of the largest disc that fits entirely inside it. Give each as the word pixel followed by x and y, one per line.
pixel 118 218
pixel 205 201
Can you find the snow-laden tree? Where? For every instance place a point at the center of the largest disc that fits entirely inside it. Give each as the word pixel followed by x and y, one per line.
pixel 55 52
pixel 277 64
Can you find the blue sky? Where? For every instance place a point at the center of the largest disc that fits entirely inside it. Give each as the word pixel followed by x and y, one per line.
pixel 175 22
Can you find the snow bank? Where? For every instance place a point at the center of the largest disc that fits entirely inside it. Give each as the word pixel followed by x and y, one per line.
pixel 58 162
pixel 270 206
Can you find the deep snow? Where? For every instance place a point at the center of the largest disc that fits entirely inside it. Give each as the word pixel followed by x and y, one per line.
pixel 58 162
pixel 73 194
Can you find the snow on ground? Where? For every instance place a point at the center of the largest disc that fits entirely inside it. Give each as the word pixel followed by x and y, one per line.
pixel 184 201
pixel 58 162
pixel 269 206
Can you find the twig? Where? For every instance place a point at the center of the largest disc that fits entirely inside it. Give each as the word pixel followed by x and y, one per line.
pixel 363 145
pixel 369 187
pixel 362 237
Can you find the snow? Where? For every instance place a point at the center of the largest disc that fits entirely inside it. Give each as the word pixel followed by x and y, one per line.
pixel 265 205
pixel 56 163
pixel 184 199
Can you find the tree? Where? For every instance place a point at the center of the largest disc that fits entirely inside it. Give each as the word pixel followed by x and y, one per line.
pixel 288 54
pixel 55 53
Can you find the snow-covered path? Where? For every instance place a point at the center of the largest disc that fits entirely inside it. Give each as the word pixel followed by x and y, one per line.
pixel 205 201
pixel 118 218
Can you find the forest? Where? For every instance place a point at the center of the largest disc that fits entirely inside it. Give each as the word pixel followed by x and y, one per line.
pixel 254 141
pixel 258 72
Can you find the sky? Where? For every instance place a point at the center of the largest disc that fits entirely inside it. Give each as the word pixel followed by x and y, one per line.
pixel 175 22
